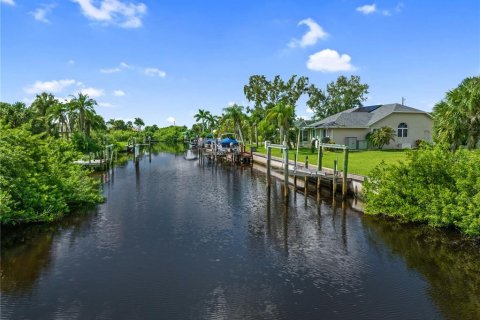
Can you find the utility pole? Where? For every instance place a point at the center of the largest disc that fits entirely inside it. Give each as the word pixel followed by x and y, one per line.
pixel 403 101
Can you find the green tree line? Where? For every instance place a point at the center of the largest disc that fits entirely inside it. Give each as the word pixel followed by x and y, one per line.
pixel 39 144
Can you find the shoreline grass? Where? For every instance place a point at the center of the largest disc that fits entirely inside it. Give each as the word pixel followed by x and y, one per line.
pixel 360 162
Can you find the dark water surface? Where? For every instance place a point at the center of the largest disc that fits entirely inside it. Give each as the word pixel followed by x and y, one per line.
pixel 179 240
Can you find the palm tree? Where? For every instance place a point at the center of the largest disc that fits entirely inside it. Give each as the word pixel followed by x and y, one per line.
pixel 235 113
pixel 256 116
pixel 58 119
pixel 40 106
pixel 282 115
pixel 202 117
pixel 382 136
pixel 212 122
pixel 139 123
pixel 457 117
pixel 85 107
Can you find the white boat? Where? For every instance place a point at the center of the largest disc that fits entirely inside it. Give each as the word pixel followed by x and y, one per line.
pixel 190 155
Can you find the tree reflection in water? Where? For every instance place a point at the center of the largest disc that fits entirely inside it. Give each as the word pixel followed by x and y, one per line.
pixel 449 264
pixel 27 251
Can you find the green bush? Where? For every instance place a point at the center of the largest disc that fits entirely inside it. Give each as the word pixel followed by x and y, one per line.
pixel 434 186
pixel 38 180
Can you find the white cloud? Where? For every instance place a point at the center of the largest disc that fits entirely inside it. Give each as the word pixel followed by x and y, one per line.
pixel 312 36
pixel 329 61
pixel 40 14
pixel 309 110
pixel 71 62
pixel 9 2
pixel 118 93
pixel 152 72
pixel 111 70
pixel 114 12
pixel 171 119
pixel 53 86
pixel 367 9
pixel 125 65
pixel 372 8
pixel 93 92
pixel 120 67
pixel 155 72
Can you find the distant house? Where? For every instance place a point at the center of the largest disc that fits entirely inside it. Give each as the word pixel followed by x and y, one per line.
pixel 351 126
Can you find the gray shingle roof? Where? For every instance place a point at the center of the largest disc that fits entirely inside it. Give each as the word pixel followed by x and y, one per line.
pixel 363 117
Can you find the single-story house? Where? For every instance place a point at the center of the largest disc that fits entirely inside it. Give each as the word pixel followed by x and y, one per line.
pixel 351 126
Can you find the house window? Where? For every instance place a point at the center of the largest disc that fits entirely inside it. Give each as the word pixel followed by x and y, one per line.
pixel 402 131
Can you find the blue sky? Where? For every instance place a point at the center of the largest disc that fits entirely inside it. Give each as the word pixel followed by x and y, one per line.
pixel 163 60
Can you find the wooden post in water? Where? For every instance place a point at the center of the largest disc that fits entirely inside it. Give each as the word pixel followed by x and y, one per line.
pixel 345 172
pixel 269 158
pixel 295 175
pixel 306 177
pixel 319 166
pixel 285 173
pixel 149 149
pixel 334 178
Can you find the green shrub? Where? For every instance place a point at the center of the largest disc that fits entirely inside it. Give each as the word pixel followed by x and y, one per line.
pixel 434 186
pixel 38 180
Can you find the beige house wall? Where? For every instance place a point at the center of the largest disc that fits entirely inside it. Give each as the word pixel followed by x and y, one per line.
pixel 419 128
pixel 339 134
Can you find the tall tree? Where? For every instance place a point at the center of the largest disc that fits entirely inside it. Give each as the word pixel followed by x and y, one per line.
pixel 282 115
pixel 340 95
pixel 40 107
pixel 211 121
pixel 139 123
pixel 58 118
pixel 14 115
pixel 266 94
pixel 202 117
pixel 235 113
pixel 457 116
pixel 85 107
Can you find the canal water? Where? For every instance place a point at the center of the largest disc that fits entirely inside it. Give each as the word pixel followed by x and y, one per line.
pixel 176 239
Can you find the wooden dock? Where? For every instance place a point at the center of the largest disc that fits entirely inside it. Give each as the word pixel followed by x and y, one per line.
pixel 230 156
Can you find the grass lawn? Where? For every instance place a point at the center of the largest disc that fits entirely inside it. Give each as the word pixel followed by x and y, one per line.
pixel 359 162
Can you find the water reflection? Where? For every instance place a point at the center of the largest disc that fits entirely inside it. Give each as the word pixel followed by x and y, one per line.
pixel 27 252
pixel 182 239
pixel 450 264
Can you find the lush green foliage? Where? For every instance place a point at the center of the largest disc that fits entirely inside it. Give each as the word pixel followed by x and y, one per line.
pixel 457 117
pixel 38 179
pixel 274 102
pixel 340 95
pixel 171 134
pixel 381 137
pixel 433 186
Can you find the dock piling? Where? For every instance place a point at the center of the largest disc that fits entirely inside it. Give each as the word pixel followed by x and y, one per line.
pixel 285 154
pixel 334 178
pixel 345 172
pixel 269 158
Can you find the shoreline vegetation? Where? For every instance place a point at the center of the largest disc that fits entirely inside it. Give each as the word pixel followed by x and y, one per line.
pixel 39 181
pixel 436 185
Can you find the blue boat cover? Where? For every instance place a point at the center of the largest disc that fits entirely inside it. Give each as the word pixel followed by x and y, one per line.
pixel 226 142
